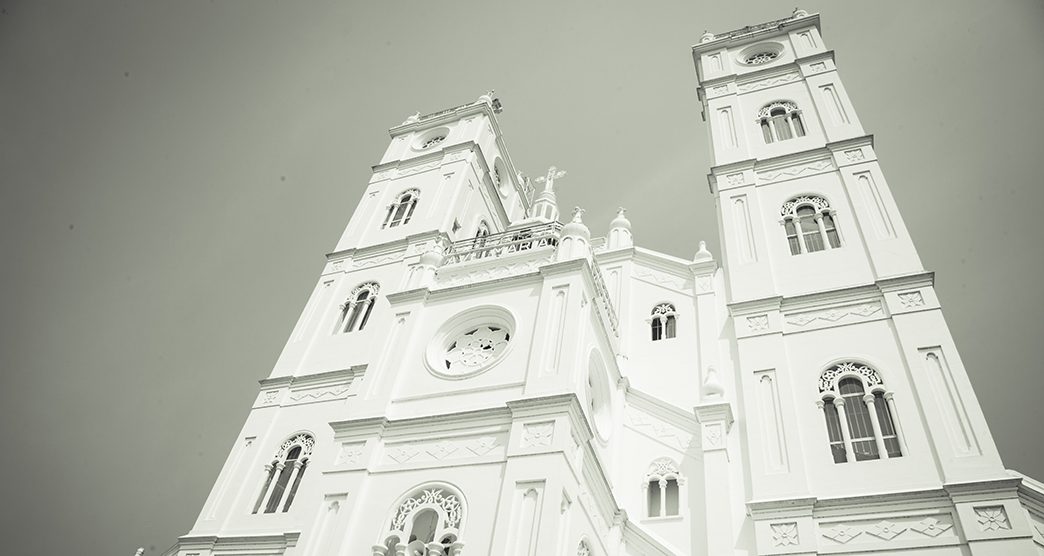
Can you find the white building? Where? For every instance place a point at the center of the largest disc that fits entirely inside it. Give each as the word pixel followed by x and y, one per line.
pixel 470 377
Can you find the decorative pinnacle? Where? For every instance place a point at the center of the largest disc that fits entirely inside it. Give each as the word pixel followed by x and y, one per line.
pixel 620 211
pixel 578 214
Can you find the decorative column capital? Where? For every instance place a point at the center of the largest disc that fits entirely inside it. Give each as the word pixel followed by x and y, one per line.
pixel 839 402
pixel 868 399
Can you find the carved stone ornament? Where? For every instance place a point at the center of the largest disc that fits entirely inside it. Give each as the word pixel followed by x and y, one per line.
pixel 828 380
pixel 758 323
pixel 885 530
pixel 475 348
pixel 784 534
pixel 909 300
pixel 817 67
pixel 768 108
pixel 662 468
pixel 834 314
pixel 433 497
pixel 930 527
pixel 349 454
pixel 538 435
pixel 854 155
pixel 304 440
pixel 992 518
pixel 583 549
pixel 841 533
pixel 771 82
pixel 792 205
pixel 795 171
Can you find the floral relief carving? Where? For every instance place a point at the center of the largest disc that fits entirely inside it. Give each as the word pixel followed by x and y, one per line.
pixel 441 449
pixel 270 397
pixel 834 314
pixel 758 323
pixel 910 300
pixel 854 155
pixel 349 454
pixel 403 453
pixel 717 90
pixel 482 446
pixel 538 435
pixel 885 530
pixel 841 533
pixel 992 518
pixel 784 534
pixel 817 67
pixel 930 526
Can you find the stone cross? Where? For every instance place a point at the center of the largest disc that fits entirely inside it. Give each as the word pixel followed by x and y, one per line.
pixel 549 181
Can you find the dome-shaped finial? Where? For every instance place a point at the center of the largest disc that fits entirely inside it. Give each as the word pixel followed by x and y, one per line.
pixel 798 12
pixel 620 231
pixel 575 242
pixel 707 36
pixel 703 254
pixel 712 387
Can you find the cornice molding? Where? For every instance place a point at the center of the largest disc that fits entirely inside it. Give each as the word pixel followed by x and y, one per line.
pixel 660 409
pixel 756 33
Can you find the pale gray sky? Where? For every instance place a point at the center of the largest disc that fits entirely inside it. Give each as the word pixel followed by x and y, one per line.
pixel 171 174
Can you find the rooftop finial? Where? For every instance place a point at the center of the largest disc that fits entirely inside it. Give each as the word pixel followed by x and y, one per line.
pixel 703 254
pixel 707 36
pixel 549 180
pixel 413 118
pixel 798 12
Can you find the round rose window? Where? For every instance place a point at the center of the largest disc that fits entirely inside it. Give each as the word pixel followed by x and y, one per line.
pixel 475 348
pixel 470 343
pixel 761 58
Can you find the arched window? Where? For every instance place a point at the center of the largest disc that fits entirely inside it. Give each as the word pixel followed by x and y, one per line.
pixel 427 522
pixel 284 473
pixel 663 322
pixel 809 224
pixel 661 485
pixel 859 414
pixel 779 121
pixel 402 209
pixel 356 311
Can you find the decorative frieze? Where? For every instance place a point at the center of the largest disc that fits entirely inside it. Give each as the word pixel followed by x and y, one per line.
pixel 768 82
pixel 443 449
pixel 658 430
pixel 859 311
pixel 661 278
pixel 814 167
pixel 887 532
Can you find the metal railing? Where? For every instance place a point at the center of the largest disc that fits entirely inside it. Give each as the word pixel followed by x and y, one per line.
pixel 505 243
pixel 603 296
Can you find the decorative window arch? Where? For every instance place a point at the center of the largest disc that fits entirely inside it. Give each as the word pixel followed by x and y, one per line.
pixel 664 322
pixel 427 522
pixel 662 486
pixel 284 473
pixel 402 209
pixel 860 414
pixel 780 120
pixel 355 312
pixel 810 224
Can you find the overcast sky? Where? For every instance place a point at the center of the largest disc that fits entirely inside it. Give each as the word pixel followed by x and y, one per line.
pixel 172 173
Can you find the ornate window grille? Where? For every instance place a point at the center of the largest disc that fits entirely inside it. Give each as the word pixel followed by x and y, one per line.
pixel 284 473
pixel 662 488
pixel 779 121
pixel 427 523
pixel 664 322
pixel 402 209
pixel 809 224
pixel 355 312
pixel 433 141
pixel 860 414
pixel 761 58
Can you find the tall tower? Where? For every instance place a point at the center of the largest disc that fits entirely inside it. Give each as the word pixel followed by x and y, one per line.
pixel 856 404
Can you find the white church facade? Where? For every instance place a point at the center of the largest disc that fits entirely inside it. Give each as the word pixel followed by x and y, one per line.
pixel 471 377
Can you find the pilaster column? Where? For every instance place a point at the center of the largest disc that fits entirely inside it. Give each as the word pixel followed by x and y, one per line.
pixel 896 422
pixel 843 419
pixel 663 497
pixel 290 484
pixel 435 549
pixel 800 234
pixel 456 549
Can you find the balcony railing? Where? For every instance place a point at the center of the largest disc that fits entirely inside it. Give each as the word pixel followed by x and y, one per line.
pixel 603 296
pixel 506 243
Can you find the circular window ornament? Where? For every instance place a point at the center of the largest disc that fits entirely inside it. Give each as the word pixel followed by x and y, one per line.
pixel 471 343
pixel 431 138
pixel 761 58
pixel 759 54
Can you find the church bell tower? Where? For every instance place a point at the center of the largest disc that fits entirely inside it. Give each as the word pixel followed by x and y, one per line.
pixel 851 385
